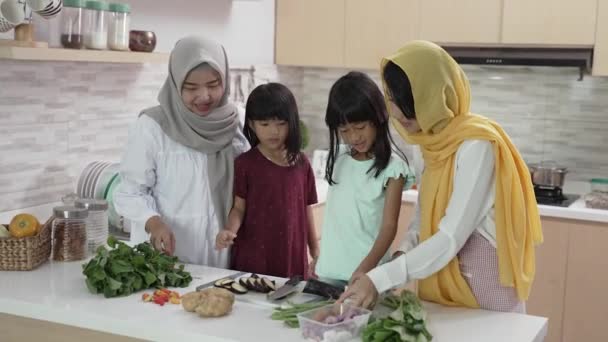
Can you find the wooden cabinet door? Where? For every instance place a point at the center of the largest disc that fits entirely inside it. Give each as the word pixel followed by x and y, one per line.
pixel 600 56
pixel 586 304
pixel 461 21
pixel 549 288
pixel 309 33
pixel 375 29
pixel 550 22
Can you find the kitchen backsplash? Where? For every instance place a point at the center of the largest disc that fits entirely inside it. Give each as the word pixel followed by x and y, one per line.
pixel 56 117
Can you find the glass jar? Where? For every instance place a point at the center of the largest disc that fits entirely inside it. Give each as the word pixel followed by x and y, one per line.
pixel 69 235
pixel 71 24
pixel 118 30
pixel 97 222
pixel 96 33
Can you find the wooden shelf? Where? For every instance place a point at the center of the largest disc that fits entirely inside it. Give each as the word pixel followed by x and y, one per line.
pixel 69 55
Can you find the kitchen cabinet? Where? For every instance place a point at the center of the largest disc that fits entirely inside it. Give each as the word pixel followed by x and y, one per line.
pixel 461 21
pixel 309 33
pixel 549 288
pixel 549 22
pixel 378 29
pixel 586 302
pixel 600 56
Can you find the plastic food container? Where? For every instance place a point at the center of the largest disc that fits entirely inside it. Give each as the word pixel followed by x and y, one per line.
pixel 333 323
pixel 599 184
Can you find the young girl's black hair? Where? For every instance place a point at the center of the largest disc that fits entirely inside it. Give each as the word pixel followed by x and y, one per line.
pixel 356 98
pixel 399 89
pixel 274 101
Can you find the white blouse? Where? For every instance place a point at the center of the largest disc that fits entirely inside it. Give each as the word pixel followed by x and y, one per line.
pixel 470 208
pixel 162 177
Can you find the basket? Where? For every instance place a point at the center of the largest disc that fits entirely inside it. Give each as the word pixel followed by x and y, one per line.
pixel 24 254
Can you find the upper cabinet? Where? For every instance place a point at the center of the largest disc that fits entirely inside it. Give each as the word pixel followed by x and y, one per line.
pixel 377 29
pixel 549 22
pixel 310 32
pixel 358 33
pixel 461 21
pixel 600 56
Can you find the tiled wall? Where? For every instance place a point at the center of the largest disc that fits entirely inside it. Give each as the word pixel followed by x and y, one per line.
pixel 57 117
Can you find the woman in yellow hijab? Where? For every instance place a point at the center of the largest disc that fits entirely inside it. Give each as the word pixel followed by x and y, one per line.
pixel 477 223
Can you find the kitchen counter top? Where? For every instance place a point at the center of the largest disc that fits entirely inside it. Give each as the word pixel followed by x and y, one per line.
pixel 56 292
pixel 576 211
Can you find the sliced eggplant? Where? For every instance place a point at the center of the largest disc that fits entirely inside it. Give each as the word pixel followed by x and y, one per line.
pixel 269 284
pixel 238 288
pixel 254 276
pixel 261 286
pixel 223 282
pixel 251 284
pixel 243 282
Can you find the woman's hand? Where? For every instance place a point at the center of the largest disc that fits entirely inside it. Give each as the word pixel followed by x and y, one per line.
pixel 224 239
pixel 361 292
pixel 161 235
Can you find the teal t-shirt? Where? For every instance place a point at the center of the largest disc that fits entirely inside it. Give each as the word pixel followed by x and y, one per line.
pixel 353 213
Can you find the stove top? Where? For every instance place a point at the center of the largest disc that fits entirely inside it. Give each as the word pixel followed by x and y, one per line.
pixel 554 197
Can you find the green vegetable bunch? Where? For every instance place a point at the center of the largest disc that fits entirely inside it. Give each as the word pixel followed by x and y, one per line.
pixel 123 270
pixel 407 323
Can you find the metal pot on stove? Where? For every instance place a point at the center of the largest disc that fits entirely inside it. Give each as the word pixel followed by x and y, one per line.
pixel 548 174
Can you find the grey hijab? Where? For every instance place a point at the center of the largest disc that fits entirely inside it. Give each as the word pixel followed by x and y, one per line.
pixel 212 134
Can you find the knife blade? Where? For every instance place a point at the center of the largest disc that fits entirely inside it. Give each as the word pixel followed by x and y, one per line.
pixel 212 283
pixel 290 286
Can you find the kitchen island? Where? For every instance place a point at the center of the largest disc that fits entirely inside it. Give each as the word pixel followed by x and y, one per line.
pixel 52 303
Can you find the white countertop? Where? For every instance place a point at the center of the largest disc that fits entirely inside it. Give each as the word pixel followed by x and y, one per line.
pixel 56 292
pixel 576 211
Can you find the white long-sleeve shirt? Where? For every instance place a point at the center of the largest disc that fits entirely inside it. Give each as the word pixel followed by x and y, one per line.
pixel 470 208
pixel 160 177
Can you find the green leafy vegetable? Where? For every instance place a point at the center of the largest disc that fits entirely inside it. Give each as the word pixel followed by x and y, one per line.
pixel 123 270
pixel 406 323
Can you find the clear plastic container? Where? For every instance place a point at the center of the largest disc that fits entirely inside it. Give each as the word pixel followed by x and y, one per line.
pixel 332 323
pixel 72 33
pixel 69 236
pixel 96 33
pixel 599 184
pixel 118 30
pixel 97 222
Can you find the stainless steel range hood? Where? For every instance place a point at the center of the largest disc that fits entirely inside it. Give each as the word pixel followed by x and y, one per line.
pixel 580 57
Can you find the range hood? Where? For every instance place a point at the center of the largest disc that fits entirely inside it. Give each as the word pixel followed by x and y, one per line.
pixel 580 57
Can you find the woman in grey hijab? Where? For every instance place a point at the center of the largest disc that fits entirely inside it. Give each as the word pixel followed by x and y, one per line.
pixel 177 171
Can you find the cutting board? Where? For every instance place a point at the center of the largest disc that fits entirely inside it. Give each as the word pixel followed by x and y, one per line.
pixel 261 299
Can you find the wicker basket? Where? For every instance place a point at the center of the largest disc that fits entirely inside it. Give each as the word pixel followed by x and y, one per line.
pixel 24 254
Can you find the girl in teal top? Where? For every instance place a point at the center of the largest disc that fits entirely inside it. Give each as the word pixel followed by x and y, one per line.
pixel 366 181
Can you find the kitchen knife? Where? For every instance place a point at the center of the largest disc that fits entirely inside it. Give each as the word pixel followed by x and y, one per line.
pixel 290 287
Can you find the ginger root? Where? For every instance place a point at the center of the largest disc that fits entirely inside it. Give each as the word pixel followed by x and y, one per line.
pixel 212 302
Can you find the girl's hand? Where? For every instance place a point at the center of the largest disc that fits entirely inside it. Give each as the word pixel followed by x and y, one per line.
pixel 224 239
pixel 361 292
pixel 311 268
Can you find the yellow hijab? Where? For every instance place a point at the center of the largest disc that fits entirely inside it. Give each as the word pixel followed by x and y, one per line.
pixel 442 99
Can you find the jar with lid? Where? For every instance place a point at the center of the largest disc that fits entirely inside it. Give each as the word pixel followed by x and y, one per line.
pixel 69 235
pixel 118 30
pixel 71 24
pixel 97 221
pixel 96 34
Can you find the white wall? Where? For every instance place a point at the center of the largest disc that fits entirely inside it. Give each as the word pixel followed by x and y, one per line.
pixel 245 27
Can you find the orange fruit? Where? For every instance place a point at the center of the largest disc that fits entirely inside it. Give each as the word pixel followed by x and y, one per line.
pixel 23 225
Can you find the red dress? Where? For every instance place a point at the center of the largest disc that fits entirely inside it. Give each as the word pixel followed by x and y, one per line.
pixel 273 238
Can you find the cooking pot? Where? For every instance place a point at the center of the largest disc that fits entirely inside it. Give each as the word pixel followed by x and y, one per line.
pixel 548 174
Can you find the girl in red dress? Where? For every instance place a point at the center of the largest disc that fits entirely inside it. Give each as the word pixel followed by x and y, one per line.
pixel 270 225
